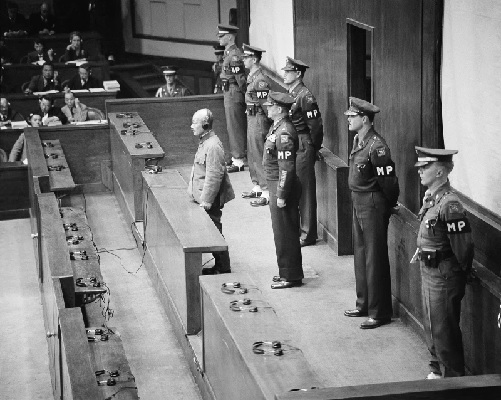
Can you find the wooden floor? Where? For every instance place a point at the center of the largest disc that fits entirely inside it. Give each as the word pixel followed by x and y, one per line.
pixel 339 352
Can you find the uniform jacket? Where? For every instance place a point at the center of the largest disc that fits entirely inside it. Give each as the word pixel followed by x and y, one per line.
pixel 37 84
pixel 372 169
pixel 445 226
pixel 78 114
pixel 37 24
pixel 233 67
pixel 208 175
pixel 75 83
pixel 217 67
pixel 34 57
pixel 279 156
pixel 305 114
pixel 18 152
pixel 257 89
pixel 178 90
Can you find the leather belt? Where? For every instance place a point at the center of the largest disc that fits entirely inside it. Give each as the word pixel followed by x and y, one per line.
pixel 431 258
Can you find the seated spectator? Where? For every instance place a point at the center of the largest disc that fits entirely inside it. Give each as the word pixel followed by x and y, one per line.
pixel 43 22
pixel 5 53
pixel 74 50
pixel 74 110
pixel 50 113
pixel 18 152
pixel 7 114
pixel 40 55
pixel 48 80
pixel 15 23
pixel 173 87
pixel 84 79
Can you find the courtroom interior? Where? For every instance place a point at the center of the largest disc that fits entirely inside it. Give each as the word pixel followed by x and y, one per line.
pixel 199 199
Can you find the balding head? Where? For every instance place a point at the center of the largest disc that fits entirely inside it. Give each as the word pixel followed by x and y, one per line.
pixel 4 106
pixel 202 121
pixel 69 99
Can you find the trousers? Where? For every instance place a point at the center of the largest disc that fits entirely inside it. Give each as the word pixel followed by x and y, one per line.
pixel 234 108
pixel 305 169
pixel 257 128
pixel 285 225
pixel 221 258
pixel 443 289
pixel 371 216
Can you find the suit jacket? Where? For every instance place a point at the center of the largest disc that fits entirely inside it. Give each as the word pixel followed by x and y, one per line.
pixel 79 115
pixel 70 55
pixel 36 24
pixel 55 112
pixel 37 84
pixel 75 83
pixel 33 57
pixel 18 152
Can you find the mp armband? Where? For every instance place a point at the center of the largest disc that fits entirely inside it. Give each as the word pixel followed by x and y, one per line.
pixel 385 170
pixel 461 225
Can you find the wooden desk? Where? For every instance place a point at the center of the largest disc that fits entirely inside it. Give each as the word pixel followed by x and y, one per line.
pixel 128 162
pixel 26 104
pixel 170 118
pixel 177 233
pixel 14 75
pixel 21 46
pixel 14 198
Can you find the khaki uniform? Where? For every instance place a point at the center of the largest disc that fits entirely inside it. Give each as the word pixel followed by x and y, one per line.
pixel 279 162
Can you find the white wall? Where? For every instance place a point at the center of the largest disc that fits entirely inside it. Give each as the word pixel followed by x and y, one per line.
pixel 165 18
pixel 471 97
pixel 271 28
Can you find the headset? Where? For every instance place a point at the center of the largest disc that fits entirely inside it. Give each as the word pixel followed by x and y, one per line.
pixel 148 145
pixel 225 288
pixel 76 33
pixel 52 155
pixel 56 167
pixel 206 122
pixel 93 282
pixel 274 348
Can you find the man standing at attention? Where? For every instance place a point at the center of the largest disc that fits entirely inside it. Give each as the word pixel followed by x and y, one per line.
pixel 445 251
pixel 374 192
pixel 258 124
pixel 279 162
pixel 210 184
pixel 306 118
pixel 233 82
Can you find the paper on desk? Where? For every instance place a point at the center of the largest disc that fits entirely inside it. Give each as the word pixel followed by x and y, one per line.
pixel 77 62
pixel 47 92
pixel 96 90
pixel 91 122
pixel 18 124
pixel 80 91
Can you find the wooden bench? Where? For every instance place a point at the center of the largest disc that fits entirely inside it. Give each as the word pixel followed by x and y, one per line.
pixel 177 232
pixel 73 360
pixel 485 387
pixel 232 368
pixel 128 161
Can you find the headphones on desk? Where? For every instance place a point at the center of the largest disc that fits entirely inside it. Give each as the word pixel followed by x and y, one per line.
pixel 263 347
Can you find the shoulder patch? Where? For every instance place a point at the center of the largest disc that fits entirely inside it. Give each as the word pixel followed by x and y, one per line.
pixel 262 84
pixel 284 138
pixel 381 152
pixel 454 207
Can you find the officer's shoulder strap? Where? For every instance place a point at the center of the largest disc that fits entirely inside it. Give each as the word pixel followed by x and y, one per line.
pixel 375 139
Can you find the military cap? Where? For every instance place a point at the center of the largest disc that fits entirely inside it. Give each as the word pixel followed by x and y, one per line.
pixel 250 51
pixel 218 50
pixel 294 65
pixel 427 156
pixel 224 29
pixel 282 99
pixel 359 106
pixel 169 70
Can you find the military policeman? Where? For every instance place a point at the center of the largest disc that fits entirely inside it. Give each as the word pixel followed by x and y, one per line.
pixel 258 123
pixel 279 162
pixel 375 191
pixel 173 87
pixel 445 254
pixel 233 81
pixel 306 118
pixel 217 67
pixel 210 184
